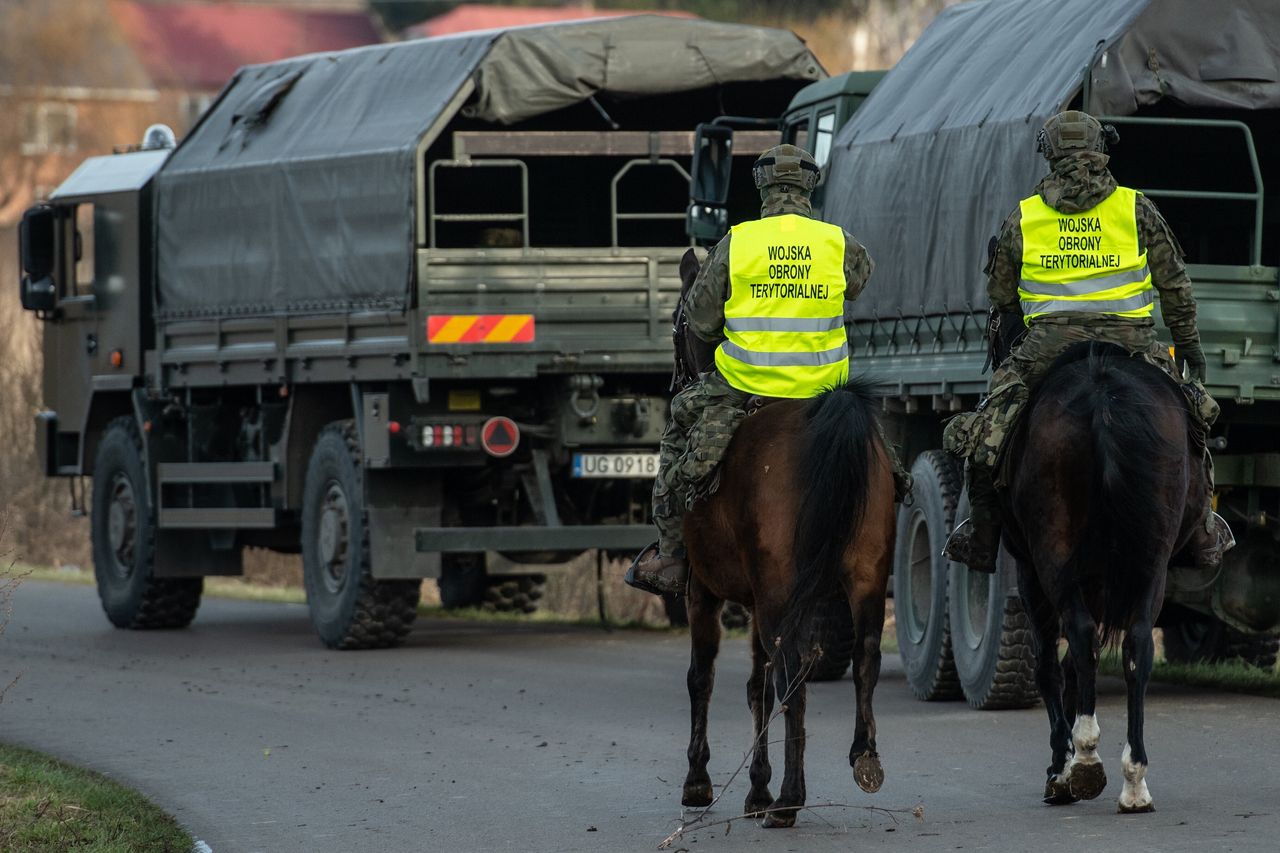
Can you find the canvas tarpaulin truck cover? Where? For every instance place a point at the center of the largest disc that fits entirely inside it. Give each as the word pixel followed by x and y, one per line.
pixel 928 168
pixel 295 192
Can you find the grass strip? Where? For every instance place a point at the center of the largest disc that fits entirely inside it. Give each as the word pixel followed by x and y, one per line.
pixel 47 806
pixel 1235 676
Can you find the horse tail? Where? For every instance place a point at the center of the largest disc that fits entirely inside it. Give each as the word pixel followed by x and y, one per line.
pixel 833 475
pixel 1129 458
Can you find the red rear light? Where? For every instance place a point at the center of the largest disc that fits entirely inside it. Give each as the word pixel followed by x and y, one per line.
pixel 393 427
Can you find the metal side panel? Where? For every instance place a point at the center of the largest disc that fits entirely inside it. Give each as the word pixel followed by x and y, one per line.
pixel 337 347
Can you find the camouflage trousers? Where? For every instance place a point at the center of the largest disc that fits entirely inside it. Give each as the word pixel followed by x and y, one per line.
pixel 979 436
pixel 704 417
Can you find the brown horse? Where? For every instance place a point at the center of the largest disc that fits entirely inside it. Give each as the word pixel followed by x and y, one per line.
pixel 804 512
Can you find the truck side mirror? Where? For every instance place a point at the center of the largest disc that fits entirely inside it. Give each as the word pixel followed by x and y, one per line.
pixel 707 218
pixel 37 248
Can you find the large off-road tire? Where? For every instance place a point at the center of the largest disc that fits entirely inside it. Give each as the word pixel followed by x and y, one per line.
pixel 123 536
pixel 513 593
pixel 735 617
pixel 464 583
pixel 1192 637
pixel 920 577
pixel 835 637
pixel 990 636
pixel 349 609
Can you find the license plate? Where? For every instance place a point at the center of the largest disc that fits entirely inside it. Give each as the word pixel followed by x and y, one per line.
pixel 639 465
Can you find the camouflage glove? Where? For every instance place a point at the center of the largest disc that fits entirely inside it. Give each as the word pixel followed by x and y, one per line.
pixel 1193 355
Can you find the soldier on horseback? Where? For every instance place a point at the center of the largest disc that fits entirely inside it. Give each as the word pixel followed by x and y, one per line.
pixel 1082 259
pixel 774 307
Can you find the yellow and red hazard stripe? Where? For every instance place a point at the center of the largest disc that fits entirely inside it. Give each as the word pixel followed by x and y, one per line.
pixel 480 328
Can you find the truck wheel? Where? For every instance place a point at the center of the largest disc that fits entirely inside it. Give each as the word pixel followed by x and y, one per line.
pixel 123 536
pixel 990 636
pixel 349 609
pixel 835 636
pixel 920 578
pixel 1193 637
pixel 513 593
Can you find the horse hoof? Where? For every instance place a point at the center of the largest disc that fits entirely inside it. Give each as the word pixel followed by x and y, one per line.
pixel 1136 808
pixel 757 806
pixel 868 773
pixel 697 795
pixel 1057 792
pixel 1088 780
pixel 780 817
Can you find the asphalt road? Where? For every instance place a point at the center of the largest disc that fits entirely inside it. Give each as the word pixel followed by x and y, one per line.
pixel 534 738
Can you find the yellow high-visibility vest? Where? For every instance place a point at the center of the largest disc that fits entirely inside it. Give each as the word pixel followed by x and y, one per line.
pixel 1089 262
pixel 784 321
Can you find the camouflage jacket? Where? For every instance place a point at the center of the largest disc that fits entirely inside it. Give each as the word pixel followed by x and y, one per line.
pixel 1079 182
pixel 706 298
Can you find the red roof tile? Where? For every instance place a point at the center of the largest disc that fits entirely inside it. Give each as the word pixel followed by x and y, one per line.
pixel 198 46
pixel 476 16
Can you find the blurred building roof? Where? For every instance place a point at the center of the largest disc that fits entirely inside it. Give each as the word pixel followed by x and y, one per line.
pixel 469 17
pixel 198 46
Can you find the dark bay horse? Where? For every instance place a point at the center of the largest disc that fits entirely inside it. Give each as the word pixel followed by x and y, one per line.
pixel 804 512
pixel 1102 493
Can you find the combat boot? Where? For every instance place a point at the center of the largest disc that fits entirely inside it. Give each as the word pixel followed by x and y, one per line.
pixel 974 545
pixel 653 572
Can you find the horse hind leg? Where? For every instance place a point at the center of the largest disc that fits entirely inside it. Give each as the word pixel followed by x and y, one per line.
pixel 760 701
pixel 789 675
pixel 1046 629
pixel 1139 656
pixel 1084 772
pixel 704 635
pixel 867 603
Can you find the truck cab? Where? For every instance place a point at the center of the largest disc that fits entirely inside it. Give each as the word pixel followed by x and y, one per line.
pixel 819 110
pixel 86 258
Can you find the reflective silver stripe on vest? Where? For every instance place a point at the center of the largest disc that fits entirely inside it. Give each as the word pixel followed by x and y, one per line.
pixel 785 359
pixel 783 324
pixel 1090 306
pixel 1088 285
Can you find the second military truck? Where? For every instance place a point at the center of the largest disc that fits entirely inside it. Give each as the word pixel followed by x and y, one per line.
pixel 924 173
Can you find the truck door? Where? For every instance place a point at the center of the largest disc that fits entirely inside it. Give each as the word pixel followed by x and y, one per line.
pixel 71 335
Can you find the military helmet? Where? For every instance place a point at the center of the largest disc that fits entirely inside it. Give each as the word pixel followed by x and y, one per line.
pixel 1071 131
pixel 786 165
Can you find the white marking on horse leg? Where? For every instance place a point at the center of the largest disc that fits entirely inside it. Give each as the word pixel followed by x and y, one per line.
pixel 1134 796
pixel 1084 739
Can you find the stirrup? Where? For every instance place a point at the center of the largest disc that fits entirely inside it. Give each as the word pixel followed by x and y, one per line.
pixel 951 538
pixel 1226 539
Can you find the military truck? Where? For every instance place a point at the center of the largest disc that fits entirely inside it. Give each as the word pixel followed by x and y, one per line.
pixel 924 173
pixel 404 309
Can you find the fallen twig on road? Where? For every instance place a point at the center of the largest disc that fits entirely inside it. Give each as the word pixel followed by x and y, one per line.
pixel 683 830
